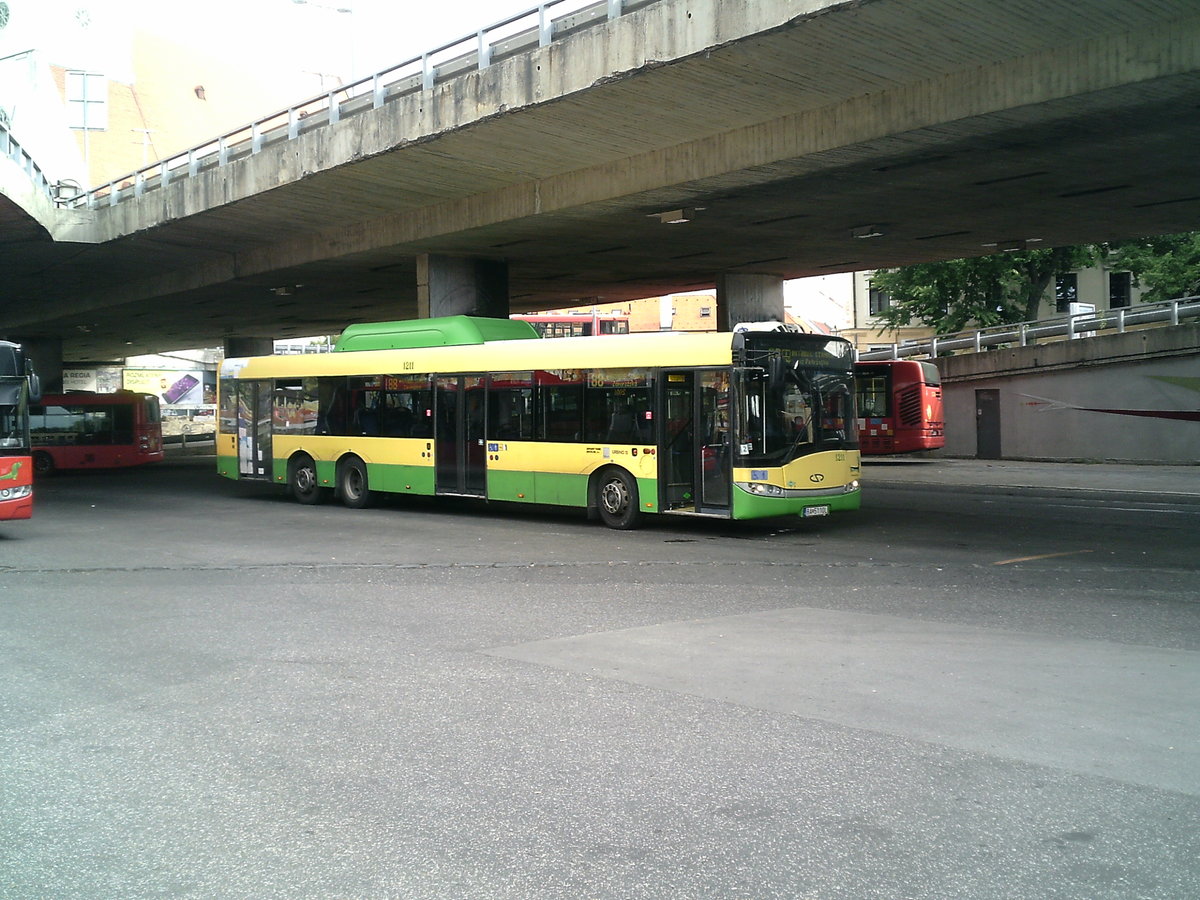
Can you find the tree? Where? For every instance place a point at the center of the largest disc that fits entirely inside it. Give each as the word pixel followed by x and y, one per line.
pixel 981 291
pixel 1168 265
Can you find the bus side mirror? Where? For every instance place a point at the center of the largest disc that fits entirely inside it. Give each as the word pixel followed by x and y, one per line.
pixel 35 388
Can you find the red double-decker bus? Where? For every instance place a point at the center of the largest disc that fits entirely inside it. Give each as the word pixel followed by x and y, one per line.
pixel 17 385
pixel 899 406
pixel 86 430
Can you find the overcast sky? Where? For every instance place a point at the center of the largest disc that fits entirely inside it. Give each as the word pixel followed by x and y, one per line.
pixel 335 34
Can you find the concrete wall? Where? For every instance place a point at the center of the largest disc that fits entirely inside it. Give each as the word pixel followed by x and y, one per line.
pixel 1092 399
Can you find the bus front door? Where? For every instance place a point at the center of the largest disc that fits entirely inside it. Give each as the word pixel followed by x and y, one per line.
pixel 460 451
pixel 694 456
pixel 254 429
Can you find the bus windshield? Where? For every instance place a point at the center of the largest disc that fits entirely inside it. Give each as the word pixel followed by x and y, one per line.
pixel 14 416
pixel 793 411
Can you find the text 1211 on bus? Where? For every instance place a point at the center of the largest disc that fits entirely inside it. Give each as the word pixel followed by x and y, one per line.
pixel 733 426
pixel 86 430
pixel 899 406
pixel 18 385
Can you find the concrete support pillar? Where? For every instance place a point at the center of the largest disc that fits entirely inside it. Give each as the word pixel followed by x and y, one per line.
pixel 748 298
pixel 461 286
pixel 249 346
pixel 46 354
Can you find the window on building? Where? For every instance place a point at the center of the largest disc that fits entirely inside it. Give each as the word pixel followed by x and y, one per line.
pixel 705 312
pixel 1120 289
pixel 1066 291
pixel 87 101
pixel 877 301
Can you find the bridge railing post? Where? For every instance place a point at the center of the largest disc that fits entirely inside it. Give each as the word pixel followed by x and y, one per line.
pixel 484 52
pixel 614 9
pixel 545 26
pixel 426 72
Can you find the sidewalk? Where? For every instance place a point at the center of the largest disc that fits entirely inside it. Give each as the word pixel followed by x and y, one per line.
pixel 1107 477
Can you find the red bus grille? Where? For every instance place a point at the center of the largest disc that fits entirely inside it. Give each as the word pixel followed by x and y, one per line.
pixel 910 406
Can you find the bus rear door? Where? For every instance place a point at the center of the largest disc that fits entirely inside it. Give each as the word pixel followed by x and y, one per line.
pixel 254 429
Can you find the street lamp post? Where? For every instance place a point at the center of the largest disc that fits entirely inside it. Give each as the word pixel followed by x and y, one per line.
pixel 344 10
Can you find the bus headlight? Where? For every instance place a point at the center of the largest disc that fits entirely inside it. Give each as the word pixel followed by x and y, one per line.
pixel 16 493
pixel 766 490
pixel 851 486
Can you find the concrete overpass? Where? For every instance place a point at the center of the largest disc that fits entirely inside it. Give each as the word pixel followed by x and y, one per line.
pixel 800 136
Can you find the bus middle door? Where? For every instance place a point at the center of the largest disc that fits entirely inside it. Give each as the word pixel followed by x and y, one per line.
pixel 460 449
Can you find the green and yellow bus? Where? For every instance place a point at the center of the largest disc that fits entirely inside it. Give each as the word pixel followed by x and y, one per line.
pixel 730 425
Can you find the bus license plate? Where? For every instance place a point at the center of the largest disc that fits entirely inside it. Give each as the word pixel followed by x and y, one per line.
pixel 810 511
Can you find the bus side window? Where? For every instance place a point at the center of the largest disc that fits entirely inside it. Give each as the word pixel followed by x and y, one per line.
pixel 560 405
pixel 510 406
pixel 331 406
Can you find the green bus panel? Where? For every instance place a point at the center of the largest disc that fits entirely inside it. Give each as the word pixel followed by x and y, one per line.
pixel 228 466
pixel 561 490
pixel 400 479
pixel 518 487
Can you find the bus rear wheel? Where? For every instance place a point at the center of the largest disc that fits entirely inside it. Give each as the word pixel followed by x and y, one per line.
pixel 43 463
pixel 302 479
pixel 352 484
pixel 617 499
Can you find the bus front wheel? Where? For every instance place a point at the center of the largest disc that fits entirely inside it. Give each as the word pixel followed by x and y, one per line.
pixel 352 484
pixel 617 499
pixel 43 463
pixel 302 478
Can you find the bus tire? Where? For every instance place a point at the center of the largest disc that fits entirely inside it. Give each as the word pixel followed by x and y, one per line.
pixel 352 483
pixel 617 499
pixel 43 463
pixel 302 480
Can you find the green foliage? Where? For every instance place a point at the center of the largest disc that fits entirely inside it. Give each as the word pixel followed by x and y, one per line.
pixel 980 291
pixel 1167 266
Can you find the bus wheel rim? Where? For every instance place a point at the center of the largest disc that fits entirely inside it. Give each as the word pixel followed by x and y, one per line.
pixel 306 479
pixel 614 496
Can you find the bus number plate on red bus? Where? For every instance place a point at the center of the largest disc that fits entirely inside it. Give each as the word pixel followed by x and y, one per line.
pixel 810 511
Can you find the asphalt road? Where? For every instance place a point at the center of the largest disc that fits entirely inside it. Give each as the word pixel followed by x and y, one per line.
pixel 962 691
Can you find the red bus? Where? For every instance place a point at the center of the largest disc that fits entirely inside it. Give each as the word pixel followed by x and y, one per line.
pixel 580 324
pixel 899 406
pixel 84 430
pixel 17 385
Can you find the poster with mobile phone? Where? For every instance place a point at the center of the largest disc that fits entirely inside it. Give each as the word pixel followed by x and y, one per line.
pixel 181 389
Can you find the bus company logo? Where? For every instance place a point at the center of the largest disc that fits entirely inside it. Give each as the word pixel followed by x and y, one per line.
pixel 816 478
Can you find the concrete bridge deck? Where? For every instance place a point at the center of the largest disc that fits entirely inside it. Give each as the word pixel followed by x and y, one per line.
pixel 942 128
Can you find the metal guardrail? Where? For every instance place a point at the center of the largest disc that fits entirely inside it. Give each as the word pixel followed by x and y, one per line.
pixel 1022 334
pixel 10 148
pixel 509 37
